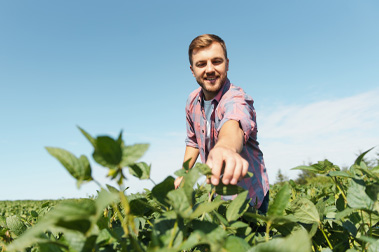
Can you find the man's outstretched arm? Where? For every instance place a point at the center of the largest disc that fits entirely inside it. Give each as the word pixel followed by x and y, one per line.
pixel 190 153
pixel 226 154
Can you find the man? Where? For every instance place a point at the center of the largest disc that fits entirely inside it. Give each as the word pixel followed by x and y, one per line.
pixel 221 123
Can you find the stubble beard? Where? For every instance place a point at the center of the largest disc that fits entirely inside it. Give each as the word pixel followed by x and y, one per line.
pixel 212 90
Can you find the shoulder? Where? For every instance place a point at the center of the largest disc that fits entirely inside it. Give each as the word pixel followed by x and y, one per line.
pixel 236 93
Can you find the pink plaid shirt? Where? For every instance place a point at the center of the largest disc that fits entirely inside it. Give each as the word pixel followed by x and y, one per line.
pixel 231 103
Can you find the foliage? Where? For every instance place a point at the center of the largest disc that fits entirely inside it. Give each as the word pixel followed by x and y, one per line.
pixel 338 215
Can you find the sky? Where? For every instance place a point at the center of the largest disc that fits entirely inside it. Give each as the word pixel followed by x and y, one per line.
pixel 312 68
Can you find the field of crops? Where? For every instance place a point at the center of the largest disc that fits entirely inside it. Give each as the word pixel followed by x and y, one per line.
pixel 338 210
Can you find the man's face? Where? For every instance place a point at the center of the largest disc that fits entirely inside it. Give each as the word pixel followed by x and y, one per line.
pixel 210 69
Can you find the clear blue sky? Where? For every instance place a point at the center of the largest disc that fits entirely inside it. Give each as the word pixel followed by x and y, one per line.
pixel 312 68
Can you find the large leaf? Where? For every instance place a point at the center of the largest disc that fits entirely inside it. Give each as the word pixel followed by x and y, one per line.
pixel 131 153
pixel 180 203
pixel 297 241
pixel 161 190
pixel 79 168
pixel 357 197
pixel 109 150
pixel 280 202
pixel 15 224
pixel 305 211
pixel 236 244
pixel 140 170
pixel 238 207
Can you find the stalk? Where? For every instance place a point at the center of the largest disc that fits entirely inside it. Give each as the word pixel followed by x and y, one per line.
pixel 326 237
pixel 268 231
pixel 340 189
pixel 173 234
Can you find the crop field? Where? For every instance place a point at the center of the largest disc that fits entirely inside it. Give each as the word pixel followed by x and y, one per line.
pixel 336 210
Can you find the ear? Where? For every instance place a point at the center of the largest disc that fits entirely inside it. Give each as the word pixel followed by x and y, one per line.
pixel 227 64
pixel 192 71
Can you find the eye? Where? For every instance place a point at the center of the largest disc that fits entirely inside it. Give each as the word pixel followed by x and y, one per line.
pixel 217 61
pixel 201 64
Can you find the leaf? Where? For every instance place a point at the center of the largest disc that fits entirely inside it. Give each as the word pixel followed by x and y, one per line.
pixel 131 153
pixel 88 136
pixel 373 247
pixel 79 168
pixel 357 197
pixel 109 150
pixel 305 211
pixel 112 189
pixel 339 174
pixel 140 170
pixel 161 190
pixel 360 157
pixel 238 207
pixel 16 225
pixel 205 207
pixel 203 169
pixel 297 241
pixel 222 189
pixel 281 201
pixel 180 203
pixel 236 244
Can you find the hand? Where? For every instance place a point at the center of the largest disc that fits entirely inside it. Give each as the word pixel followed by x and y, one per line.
pixel 177 182
pixel 235 167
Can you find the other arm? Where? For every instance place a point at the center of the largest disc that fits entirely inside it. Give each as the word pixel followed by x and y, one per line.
pixel 190 153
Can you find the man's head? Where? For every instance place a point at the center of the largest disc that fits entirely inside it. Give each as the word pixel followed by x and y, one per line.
pixel 209 63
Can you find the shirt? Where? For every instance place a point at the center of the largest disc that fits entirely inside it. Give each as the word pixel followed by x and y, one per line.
pixel 231 103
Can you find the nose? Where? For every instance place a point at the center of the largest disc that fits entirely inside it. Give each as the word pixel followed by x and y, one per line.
pixel 210 68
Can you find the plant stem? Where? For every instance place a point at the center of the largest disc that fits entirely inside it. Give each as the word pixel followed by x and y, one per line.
pixel 173 234
pixel 268 231
pixel 330 245
pixel 340 189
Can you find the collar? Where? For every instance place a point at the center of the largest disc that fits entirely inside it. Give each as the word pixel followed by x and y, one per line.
pixel 225 87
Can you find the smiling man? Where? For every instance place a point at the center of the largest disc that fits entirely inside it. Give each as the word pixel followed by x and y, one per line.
pixel 221 123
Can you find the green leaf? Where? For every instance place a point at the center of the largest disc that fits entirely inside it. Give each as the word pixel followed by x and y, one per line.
pixel 222 189
pixel 161 190
pixel 112 189
pixel 16 225
pixel 281 201
pixel 236 244
pixel 88 136
pixel 180 203
pixel 79 168
pixel 373 247
pixel 205 207
pixel 131 153
pixel 305 211
pixel 180 173
pixel 109 150
pixel 357 197
pixel 297 241
pixel 140 170
pixel 360 157
pixel 238 207
pixel 340 174
pixel 203 169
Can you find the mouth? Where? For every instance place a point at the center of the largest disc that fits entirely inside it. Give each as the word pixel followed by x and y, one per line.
pixel 211 79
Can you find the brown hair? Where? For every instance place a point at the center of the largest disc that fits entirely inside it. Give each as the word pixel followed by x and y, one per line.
pixel 203 41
